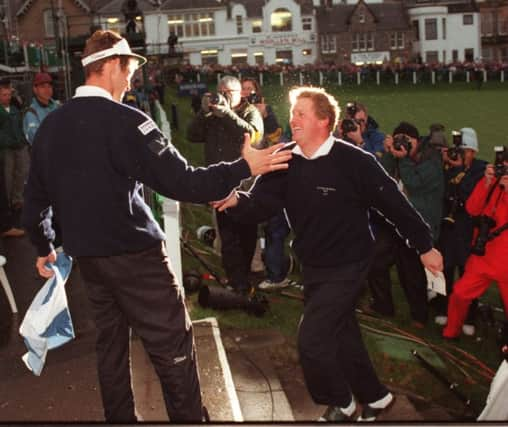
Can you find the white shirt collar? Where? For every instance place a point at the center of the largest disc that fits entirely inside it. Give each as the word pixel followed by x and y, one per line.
pixel 88 90
pixel 323 149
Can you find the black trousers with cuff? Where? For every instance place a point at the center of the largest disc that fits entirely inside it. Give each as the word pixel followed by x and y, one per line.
pixel 139 291
pixel 334 359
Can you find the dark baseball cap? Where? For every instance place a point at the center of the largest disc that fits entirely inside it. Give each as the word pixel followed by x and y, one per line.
pixel 41 78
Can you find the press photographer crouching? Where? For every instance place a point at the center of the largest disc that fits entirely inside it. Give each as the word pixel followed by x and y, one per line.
pixel 360 129
pixel 462 172
pixel 488 204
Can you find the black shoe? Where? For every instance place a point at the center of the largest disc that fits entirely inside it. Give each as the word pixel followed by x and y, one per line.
pixel 371 414
pixel 335 414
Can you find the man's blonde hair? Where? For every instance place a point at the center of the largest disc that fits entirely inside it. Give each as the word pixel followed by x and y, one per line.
pixel 102 40
pixel 325 105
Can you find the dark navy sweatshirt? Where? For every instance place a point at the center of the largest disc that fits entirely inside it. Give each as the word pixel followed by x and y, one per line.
pixel 327 200
pixel 89 160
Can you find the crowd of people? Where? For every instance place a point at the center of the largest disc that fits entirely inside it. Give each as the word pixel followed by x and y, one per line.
pixel 358 200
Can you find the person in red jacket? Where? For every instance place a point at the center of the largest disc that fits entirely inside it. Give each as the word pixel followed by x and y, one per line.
pixel 488 199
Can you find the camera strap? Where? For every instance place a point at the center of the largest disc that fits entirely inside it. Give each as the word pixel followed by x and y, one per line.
pixel 497 232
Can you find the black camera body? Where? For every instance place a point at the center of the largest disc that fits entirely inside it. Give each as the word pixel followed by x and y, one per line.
pixel 456 151
pixel 218 99
pixel 400 141
pixel 454 205
pixel 351 109
pixel 254 98
pixel 348 125
pixel 501 156
pixel 484 224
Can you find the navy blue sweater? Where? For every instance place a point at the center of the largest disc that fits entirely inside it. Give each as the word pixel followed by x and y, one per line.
pixel 89 159
pixel 327 201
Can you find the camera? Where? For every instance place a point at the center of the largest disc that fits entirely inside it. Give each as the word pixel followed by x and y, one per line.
pixel 456 151
pixel 351 109
pixel 254 98
pixel 484 224
pixel 400 141
pixel 348 125
pixel 454 204
pixel 501 155
pixel 218 99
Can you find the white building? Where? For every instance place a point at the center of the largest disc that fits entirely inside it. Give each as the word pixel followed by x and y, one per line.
pixel 446 32
pixel 242 31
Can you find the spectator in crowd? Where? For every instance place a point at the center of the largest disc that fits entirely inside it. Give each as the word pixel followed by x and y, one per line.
pixel 276 229
pixel 172 41
pixel 220 125
pixel 462 173
pixel 42 104
pixel 327 192
pixel 487 262
pixel 365 132
pixel 417 168
pixel 102 150
pixel 14 146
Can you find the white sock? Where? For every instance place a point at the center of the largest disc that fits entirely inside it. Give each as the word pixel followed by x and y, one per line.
pixel 350 409
pixel 383 402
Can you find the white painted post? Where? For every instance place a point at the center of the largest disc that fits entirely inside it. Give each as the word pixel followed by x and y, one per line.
pixel 433 77
pixel 281 78
pixel 300 76
pixel 239 76
pixel 502 76
pixel 339 78
pixel 468 77
pixel 378 77
pixel 396 78
pixel 198 77
pixel 261 78
pixel 218 78
pixel 358 79
pixel 320 78
pixel 450 76
pixel 414 77
pixel 171 215
pixel 484 76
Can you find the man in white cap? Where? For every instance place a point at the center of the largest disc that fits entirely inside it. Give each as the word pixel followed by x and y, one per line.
pixel 89 160
pixel 462 173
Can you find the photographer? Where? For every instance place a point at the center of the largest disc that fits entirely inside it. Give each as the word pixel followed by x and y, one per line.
pixel 488 203
pixel 276 229
pixel 220 124
pixel 360 129
pixel 462 173
pixel 417 168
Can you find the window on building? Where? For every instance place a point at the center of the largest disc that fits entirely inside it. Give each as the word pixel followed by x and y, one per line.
pixel 431 29
pixel 306 52
pixel 362 42
pixel 487 54
pixel 444 57
pixel 455 55
pixel 397 40
pixel 467 19
pixel 307 24
pixel 257 26
pixel 416 30
pixel 284 57
pixel 469 54
pixel 199 24
pixel 281 20
pixel 431 57
pixel 328 43
pixel 443 27
pixel 361 18
pixel 503 26
pixel 503 54
pixel 209 57
pixel 259 58
pixel 487 23
pixel 238 58
pixel 175 23
pixel 239 24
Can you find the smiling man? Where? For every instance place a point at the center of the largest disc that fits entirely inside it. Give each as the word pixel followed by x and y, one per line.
pixel 327 192
pixel 89 160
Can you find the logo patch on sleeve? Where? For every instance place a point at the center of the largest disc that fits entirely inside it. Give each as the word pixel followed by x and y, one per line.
pixel 146 127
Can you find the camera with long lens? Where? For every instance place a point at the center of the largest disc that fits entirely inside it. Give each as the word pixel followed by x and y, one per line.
pixel 351 109
pixel 456 151
pixel 484 224
pixel 254 98
pixel 500 168
pixel 348 125
pixel 218 99
pixel 400 141
pixel 454 204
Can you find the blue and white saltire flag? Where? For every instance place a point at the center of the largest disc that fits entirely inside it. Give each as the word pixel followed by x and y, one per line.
pixel 47 323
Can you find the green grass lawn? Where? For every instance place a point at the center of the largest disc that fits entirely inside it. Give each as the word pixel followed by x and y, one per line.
pixel 455 106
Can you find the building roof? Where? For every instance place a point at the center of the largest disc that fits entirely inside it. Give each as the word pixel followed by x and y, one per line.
pixel 114 7
pixel 336 19
pixel 23 6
